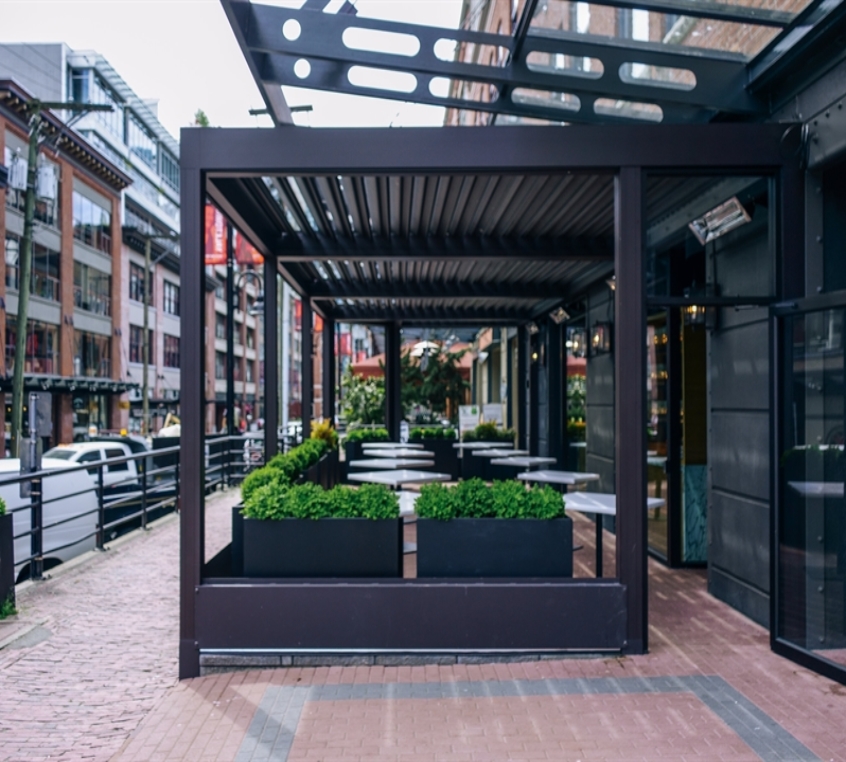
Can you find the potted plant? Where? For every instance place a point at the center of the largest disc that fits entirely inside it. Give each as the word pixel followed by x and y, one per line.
pixel 303 530
pixel 440 441
pixel 324 431
pixel 7 556
pixel 503 530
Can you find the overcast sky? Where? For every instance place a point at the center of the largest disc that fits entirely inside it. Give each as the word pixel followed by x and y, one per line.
pixel 183 53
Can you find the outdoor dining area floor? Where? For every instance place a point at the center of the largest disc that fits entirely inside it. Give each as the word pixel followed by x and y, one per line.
pixel 709 689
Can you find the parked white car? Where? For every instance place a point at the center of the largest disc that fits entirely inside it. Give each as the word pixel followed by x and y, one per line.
pixel 66 495
pixel 115 474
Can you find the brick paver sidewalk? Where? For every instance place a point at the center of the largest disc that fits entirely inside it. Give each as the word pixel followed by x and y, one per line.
pixel 101 649
pixel 96 680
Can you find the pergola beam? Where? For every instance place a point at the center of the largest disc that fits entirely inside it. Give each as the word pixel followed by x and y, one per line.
pixel 448 248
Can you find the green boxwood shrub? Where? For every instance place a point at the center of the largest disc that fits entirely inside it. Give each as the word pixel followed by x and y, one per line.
pixel 488 432
pixel 278 500
pixel 367 435
pixel 420 433
pixel 2 507
pixel 284 468
pixel 473 499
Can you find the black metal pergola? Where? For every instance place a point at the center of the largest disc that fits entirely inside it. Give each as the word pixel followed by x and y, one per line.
pixel 436 226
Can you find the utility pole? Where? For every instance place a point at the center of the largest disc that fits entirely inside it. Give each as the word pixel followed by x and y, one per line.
pixel 36 121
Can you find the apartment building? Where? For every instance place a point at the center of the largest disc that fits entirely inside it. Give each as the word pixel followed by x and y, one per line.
pixel 131 137
pixel 73 346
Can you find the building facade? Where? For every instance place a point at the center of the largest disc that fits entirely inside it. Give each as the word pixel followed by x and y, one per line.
pixel 74 329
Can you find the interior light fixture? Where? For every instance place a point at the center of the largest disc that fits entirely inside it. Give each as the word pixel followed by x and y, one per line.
pixel 532 328
pixel 559 315
pixel 600 338
pixel 720 220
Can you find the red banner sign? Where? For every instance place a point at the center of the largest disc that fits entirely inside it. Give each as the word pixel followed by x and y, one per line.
pixel 245 252
pixel 215 236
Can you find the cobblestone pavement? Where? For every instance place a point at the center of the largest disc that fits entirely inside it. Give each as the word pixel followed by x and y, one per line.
pixel 96 680
pixel 98 649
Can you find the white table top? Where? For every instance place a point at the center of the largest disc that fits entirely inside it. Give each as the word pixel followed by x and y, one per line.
pixel 392 463
pixel 482 446
pixel 399 477
pixel 578 444
pixel 558 477
pixel 390 446
pixel 499 453
pixel 598 502
pixel 399 452
pixel 818 489
pixel 523 461
pixel 657 460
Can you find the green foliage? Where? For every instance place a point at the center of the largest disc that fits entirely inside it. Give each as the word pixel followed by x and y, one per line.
pixel 325 431
pixel 284 469
pixel 310 501
pixel 431 433
pixel 7 608
pixel 200 118
pixel 363 398
pixel 367 435
pixel 473 499
pixel 488 432
pixel 259 478
pixel 2 507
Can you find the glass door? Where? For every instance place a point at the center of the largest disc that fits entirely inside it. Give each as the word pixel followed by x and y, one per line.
pixel 809 622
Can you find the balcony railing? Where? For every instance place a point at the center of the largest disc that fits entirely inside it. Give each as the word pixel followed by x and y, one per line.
pixel 47 364
pixel 41 285
pixel 95 303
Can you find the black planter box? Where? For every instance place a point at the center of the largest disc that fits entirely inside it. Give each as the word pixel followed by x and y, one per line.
pixel 471 466
pixel 324 472
pixel 7 558
pixel 322 548
pixel 495 548
pixel 446 456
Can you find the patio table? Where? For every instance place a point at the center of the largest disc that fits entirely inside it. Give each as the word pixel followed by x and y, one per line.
pixel 600 504
pixel 399 477
pixel 399 452
pixel 391 464
pixel 817 489
pixel 482 445
pixel 523 461
pixel 567 478
pixel 498 452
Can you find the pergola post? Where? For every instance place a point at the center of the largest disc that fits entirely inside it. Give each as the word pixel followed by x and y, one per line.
pixel 522 383
pixel 393 380
pixel 192 404
pixel 630 402
pixel 271 360
pixel 307 345
pixel 329 370
pixel 557 391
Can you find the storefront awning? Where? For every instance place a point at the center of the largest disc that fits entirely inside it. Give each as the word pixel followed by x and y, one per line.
pixel 59 384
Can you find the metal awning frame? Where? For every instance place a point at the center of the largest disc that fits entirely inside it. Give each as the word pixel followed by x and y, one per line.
pixel 409 615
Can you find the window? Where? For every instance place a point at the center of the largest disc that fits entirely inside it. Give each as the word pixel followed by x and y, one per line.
pixel 171 351
pixel 136 284
pixel 141 141
pixel 92 224
pixel 220 289
pixel 250 373
pixel 251 338
pixel 45 268
pixel 102 94
pixel 136 344
pixel 45 211
pixel 92 290
pixel 170 170
pixel 95 456
pixel 111 454
pixel 219 365
pixel 42 344
pixel 91 355
pixel 220 326
pixel 170 298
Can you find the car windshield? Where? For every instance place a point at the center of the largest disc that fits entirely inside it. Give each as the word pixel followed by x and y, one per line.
pixel 59 453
